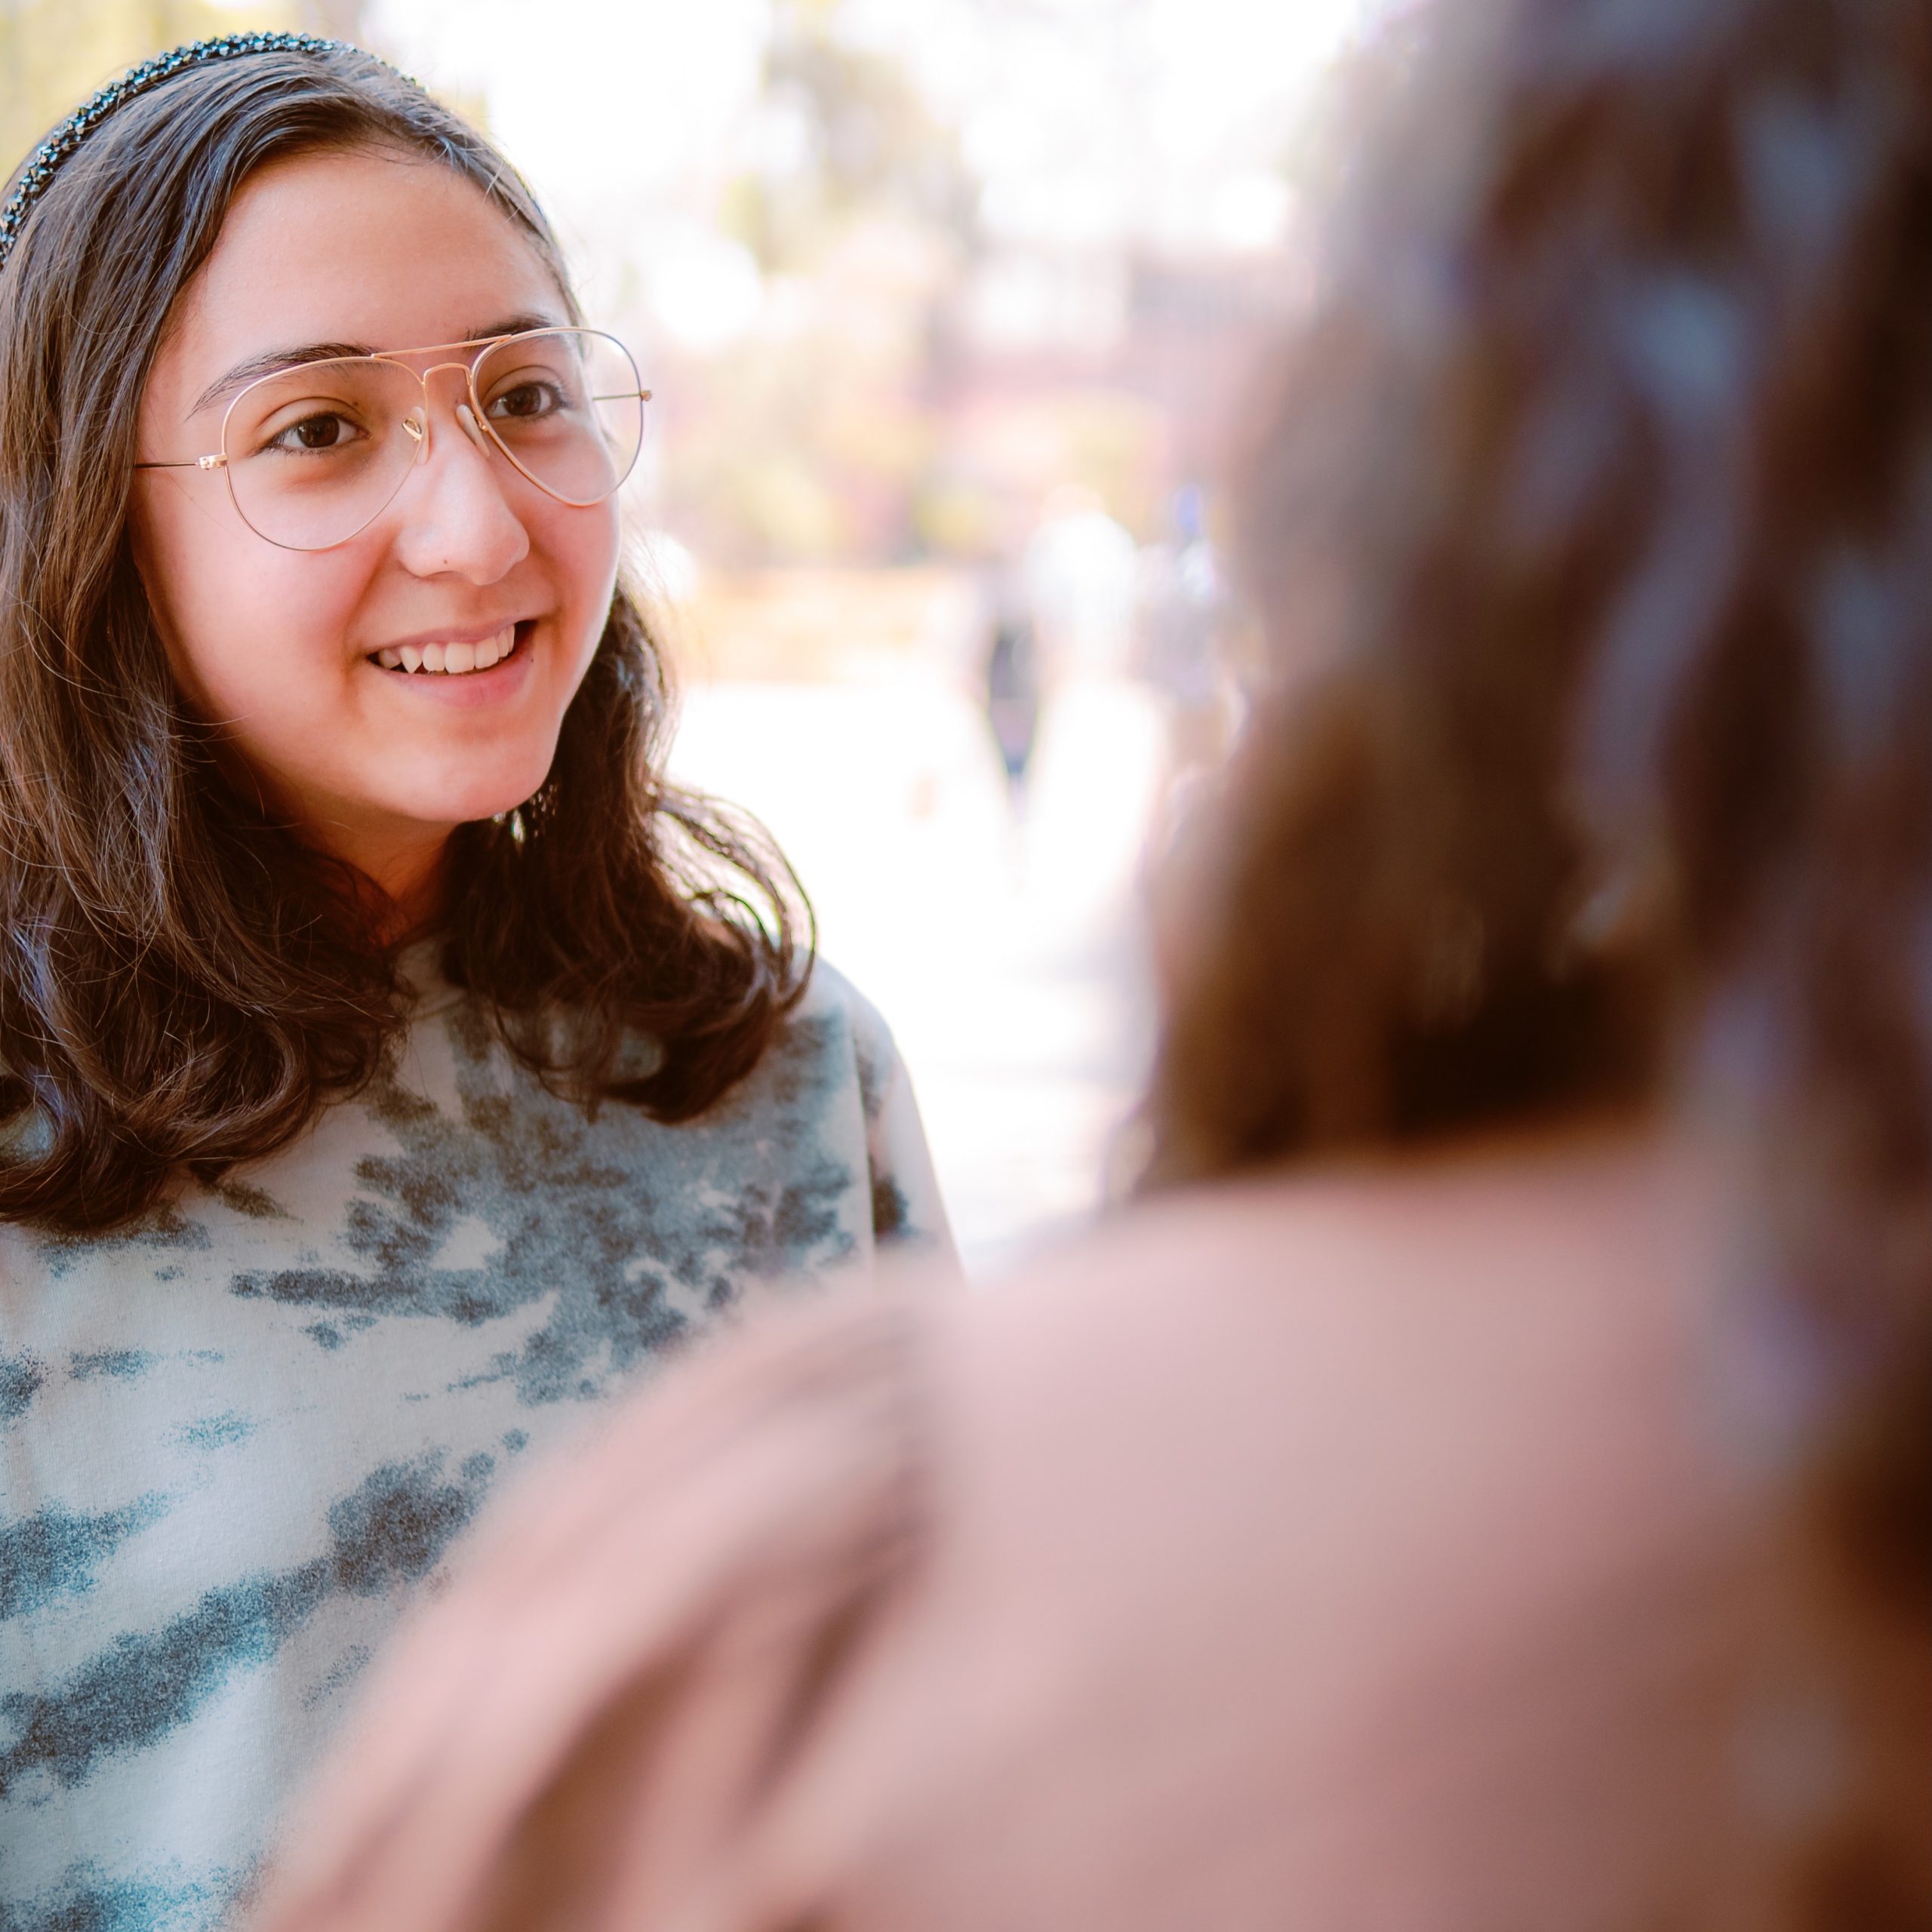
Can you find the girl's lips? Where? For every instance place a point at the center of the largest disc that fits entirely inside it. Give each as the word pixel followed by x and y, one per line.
pixel 433 672
pixel 452 657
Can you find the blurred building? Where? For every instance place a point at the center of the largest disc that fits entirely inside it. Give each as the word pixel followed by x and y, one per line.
pixel 1117 369
pixel 903 327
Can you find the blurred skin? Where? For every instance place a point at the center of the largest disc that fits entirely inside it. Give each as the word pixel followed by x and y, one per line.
pixel 380 251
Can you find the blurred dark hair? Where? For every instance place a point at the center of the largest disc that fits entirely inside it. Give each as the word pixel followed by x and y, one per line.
pixel 1592 530
pixel 184 982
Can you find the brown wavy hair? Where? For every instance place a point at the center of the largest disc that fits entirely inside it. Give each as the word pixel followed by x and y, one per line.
pixel 1592 531
pixel 184 982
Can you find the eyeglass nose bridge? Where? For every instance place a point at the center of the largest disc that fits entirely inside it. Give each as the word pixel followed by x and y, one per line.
pixel 416 421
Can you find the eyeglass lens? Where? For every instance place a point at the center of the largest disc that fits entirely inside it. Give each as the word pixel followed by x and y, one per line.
pixel 315 453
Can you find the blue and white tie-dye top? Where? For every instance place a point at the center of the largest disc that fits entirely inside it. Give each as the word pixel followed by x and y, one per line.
pixel 235 1437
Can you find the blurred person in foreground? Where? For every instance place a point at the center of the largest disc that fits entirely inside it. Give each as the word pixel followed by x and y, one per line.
pixel 1482 1483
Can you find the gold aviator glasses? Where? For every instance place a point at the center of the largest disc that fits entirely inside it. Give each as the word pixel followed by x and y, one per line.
pixel 314 453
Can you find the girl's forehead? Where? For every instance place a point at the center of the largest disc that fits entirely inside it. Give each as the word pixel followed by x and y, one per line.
pixel 369 250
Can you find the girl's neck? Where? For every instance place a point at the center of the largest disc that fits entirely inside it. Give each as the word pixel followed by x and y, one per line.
pixel 399 890
pixel 410 915
pixel 396 870
pixel 413 900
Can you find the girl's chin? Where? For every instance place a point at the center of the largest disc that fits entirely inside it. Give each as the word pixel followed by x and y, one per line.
pixel 458 785
pixel 434 809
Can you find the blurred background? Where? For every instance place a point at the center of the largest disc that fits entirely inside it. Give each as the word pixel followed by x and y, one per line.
pixel 949 306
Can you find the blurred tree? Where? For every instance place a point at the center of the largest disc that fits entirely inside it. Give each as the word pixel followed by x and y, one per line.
pixel 53 53
pixel 810 438
pixel 846 137
pixel 865 416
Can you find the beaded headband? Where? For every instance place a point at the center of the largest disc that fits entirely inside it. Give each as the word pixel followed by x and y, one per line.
pixel 40 171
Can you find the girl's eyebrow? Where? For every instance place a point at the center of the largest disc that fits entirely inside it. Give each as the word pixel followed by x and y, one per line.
pixel 269 360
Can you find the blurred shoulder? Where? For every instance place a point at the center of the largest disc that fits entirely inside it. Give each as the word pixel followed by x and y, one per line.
pixel 1537 1307
pixel 1446 1241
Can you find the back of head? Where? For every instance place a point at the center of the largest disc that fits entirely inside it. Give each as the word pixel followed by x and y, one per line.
pixel 1591 525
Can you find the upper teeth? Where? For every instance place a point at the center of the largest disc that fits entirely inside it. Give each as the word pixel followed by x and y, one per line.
pixel 452 659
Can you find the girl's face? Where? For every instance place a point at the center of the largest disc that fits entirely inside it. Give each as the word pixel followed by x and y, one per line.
pixel 368 250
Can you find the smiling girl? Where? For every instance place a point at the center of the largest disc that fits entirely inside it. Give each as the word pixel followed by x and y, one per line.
pixel 391 1063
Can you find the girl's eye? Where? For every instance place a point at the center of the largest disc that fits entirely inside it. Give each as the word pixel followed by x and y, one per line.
pixel 525 401
pixel 313 435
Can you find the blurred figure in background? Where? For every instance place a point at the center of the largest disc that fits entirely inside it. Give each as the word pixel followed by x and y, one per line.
pixel 1482 1483
pixel 1012 675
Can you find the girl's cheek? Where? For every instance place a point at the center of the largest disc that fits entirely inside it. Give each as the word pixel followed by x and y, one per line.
pixel 223 599
pixel 278 650
pixel 590 547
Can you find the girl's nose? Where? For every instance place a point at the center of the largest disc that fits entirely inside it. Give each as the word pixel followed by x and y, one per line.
pixel 455 518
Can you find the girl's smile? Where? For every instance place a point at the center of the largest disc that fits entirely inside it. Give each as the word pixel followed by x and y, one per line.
pixel 496 669
pixel 456 654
